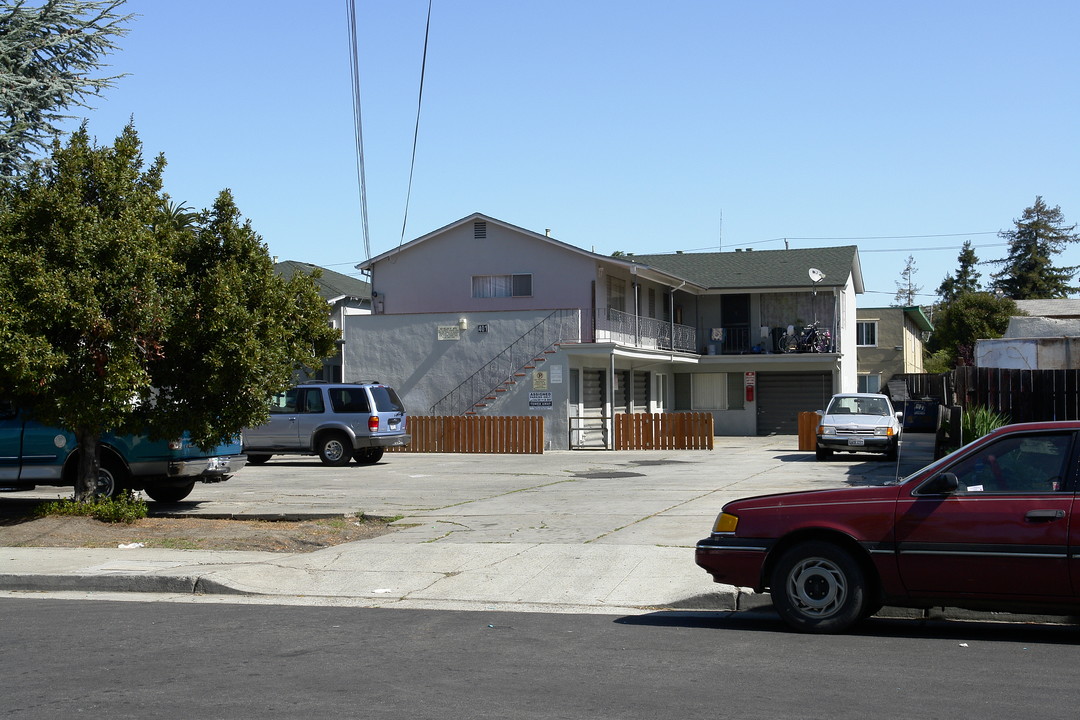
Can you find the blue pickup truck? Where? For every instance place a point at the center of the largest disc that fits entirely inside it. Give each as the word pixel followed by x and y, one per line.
pixel 34 454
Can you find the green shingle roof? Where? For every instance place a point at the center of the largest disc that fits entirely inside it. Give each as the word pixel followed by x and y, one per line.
pixel 332 285
pixel 759 268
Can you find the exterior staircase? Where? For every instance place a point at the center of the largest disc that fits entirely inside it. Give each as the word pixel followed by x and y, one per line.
pixel 478 392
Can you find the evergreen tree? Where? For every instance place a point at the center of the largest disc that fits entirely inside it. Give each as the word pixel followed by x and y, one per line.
pixel 966 279
pixel 113 316
pixel 1028 272
pixel 906 289
pixel 969 317
pixel 46 56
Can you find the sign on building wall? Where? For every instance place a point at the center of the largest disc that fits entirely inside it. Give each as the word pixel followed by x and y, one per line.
pixel 540 380
pixel 541 400
pixel 449 332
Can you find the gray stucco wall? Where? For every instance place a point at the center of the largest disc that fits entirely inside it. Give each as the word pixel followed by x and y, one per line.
pixel 438 273
pixel 406 351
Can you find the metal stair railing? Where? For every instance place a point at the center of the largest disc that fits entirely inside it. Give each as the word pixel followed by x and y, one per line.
pixel 560 326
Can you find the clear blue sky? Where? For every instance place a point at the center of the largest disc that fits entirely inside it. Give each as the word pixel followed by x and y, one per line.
pixel 624 125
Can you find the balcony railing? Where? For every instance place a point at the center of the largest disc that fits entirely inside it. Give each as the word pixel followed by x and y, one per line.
pixel 612 325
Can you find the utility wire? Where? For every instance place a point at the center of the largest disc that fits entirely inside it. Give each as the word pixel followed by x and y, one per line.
pixel 416 131
pixel 354 57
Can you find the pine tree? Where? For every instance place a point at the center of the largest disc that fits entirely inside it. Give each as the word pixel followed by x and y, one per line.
pixel 966 279
pixel 46 55
pixel 906 289
pixel 1028 272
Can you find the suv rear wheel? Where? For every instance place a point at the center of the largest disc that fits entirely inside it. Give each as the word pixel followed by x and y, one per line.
pixel 368 456
pixel 172 494
pixel 334 449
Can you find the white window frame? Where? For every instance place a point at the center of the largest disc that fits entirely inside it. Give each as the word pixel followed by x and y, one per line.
pixel 660 392
pixel 864 382
pixel 860 339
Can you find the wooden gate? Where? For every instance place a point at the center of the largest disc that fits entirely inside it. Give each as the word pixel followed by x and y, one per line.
pixel 664 431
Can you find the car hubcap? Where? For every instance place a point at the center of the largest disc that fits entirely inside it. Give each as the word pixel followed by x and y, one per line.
pixel 106 484
pixel 817 587
pixel 334 450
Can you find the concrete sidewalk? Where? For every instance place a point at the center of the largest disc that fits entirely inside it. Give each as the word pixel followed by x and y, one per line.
pixel 609 532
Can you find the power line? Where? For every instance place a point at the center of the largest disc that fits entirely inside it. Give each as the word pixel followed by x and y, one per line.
pixel 416 131
pixel 354 58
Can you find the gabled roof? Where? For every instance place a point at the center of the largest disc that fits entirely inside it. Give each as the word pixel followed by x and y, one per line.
pixel 700 271
pixel 762 268
pixel 659 274
pixel 1059 308
pixel 333 286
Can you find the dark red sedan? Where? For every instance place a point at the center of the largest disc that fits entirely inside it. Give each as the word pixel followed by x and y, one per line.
pixel 987 527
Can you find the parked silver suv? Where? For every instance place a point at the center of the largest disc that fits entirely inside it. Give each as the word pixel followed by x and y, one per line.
pixel 336 421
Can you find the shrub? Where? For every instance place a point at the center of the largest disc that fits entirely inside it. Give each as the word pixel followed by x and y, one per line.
pixel 125 507
pixel 978 421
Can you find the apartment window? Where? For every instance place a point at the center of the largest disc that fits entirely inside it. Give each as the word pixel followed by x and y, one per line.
pixel 494 286
pixel 616 294
pixel 866 333
pixel 652 302
pixel 709 391
pixel 870 383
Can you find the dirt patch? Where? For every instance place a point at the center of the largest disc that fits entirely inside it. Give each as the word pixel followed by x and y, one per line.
pixel 284 536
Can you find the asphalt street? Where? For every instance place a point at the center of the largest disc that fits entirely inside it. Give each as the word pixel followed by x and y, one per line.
pixel 173 662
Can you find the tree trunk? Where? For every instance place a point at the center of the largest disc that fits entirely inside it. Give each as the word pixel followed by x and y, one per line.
pixel 89 464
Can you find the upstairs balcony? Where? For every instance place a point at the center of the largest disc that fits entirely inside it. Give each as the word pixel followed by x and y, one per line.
pixel 610 325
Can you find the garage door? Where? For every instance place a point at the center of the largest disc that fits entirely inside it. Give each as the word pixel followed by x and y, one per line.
pixel 782 396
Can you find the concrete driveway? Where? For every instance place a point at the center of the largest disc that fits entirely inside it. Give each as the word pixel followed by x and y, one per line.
pixel 585 531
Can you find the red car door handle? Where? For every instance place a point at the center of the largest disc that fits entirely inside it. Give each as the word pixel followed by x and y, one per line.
pixel 1044 515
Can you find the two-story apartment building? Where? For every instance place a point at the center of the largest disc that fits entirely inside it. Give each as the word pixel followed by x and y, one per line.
pixel 889 342
pixel 482 316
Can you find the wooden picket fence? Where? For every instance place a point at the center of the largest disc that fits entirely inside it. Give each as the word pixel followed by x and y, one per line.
pixel 664 431
pixel 475 434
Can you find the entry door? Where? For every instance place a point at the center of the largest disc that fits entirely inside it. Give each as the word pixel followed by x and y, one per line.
pixel 1005 531
pixel 592 432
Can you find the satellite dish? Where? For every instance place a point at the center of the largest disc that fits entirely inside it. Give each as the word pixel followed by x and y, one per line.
pixel 816 275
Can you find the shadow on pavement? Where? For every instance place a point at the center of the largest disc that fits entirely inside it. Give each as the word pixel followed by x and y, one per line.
pixel 1020 630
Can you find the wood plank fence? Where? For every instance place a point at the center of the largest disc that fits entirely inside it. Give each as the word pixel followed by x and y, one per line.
pixel 664 431
pixel 475 434
pixel 1022 395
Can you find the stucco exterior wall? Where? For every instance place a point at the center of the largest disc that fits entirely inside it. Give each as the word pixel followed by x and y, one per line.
pixel 438 273
pixel 406 351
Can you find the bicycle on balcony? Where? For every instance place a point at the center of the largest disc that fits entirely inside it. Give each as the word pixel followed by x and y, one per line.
pixel 809 339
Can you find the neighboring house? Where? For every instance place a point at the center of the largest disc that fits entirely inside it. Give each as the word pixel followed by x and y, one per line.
pixel 482 316
pixel 1048 338
pixel 889 342
pixel 346 296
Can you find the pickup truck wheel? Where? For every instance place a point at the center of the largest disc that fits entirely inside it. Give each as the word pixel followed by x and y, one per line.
pixel 368 456
pixel 108 482
pixel 818 587
pixel 254 459
pixel 334 449
pixel 171 494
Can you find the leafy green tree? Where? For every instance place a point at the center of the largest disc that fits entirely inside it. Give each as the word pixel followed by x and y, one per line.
pixel 966 279
pixel 969 317
pixel 113 317
pixel 46 56
pixel 906 289
pixel 1028 272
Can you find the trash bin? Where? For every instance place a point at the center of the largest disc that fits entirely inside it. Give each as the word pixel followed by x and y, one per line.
pixel 921 415
pixel 808 422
